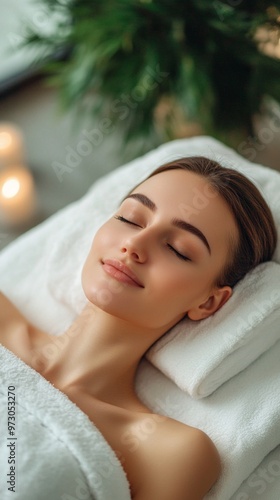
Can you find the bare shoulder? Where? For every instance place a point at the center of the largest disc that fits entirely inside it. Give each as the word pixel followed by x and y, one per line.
pixel 185 464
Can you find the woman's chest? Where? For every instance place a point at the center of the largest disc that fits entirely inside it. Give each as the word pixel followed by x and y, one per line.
pixel 132 435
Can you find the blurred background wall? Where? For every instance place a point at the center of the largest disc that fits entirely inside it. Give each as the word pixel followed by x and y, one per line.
pixel 51 137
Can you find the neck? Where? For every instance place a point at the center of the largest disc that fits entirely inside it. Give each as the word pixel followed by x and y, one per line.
pixel 100 354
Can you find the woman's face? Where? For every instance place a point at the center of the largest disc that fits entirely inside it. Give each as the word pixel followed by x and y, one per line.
pixel 157 258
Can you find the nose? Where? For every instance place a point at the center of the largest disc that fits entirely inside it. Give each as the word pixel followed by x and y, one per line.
pixel 136 248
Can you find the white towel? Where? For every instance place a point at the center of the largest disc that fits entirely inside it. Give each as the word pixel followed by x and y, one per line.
pixel 199 356
pixel 58 452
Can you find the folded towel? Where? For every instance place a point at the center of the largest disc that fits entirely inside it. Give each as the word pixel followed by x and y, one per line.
pixel 199 356
pixel 242 417
pixel 51 450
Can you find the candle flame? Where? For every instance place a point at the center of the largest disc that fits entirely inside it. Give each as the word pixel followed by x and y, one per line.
pixel 10 187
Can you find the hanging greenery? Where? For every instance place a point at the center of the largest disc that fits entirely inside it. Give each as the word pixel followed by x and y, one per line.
pixel 129 60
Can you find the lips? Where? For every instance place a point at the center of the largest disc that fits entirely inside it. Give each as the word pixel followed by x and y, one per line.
pixel 121 272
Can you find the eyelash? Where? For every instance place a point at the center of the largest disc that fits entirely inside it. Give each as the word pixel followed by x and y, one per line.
pixel 178 254
pixel 122 219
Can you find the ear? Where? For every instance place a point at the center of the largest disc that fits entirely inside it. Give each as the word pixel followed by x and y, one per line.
pixel 218 298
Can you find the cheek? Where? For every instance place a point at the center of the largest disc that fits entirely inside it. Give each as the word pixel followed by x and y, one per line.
pixel 103 239
pixel 176 292
pixel 95 286
pixel 86 277
pixel 99 243
pixel 89 267
pixel 169 291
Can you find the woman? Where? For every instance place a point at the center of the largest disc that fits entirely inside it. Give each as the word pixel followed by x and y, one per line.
pixel 176 246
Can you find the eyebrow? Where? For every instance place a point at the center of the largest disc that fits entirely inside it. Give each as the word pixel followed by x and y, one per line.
pixel 181 224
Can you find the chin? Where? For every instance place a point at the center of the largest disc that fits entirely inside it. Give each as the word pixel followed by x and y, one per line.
pixel 98 292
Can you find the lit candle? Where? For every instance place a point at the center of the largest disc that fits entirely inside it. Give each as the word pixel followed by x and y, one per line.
pixel 11 145
pixel 17 196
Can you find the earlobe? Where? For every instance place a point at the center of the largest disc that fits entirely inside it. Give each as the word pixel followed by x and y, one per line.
pixel 218 298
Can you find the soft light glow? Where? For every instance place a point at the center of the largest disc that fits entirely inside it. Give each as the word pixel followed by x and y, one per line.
pixel 10 187
pixel 17 196
pixel 11 145
pixel 5 140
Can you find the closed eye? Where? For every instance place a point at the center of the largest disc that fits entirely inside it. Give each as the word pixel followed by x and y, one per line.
pixel 122 219
pixel 179 255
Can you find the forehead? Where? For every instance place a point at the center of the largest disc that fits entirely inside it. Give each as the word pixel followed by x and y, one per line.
pixel 189 196
pixel 177 187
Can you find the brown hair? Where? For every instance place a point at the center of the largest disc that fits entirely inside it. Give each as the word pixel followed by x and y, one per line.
pixel 257 231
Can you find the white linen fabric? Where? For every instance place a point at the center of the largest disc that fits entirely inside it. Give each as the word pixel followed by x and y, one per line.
pixel 56 451
pixel 40 274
